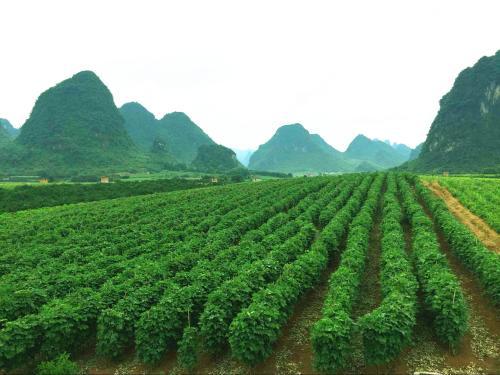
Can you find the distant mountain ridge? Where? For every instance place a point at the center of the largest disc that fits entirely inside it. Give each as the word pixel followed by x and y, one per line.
pixel 180 134
pixel 465 135
pixel 75 128
pixel 293 149
pixel 378 153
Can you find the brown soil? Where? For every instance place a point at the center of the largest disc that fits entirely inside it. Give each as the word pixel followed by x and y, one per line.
pixel 478 226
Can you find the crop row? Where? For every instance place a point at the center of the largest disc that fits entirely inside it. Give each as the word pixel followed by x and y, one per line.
pixel 26 197
pixel 24 291
pixel 482 262
pixel 332 335
pixel 159 328
pixel 62 323
pixel 116 325
pixel 256 328
pixel 227 300
pixel 387 330
pixel 441 289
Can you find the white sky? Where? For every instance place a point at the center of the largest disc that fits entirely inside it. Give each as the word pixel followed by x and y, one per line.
pixel 240 69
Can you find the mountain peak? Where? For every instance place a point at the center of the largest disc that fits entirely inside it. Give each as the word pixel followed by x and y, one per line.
pixel 379 153
pixel 75 124
pixel 293 149
pixel 85 75
pixel 181 118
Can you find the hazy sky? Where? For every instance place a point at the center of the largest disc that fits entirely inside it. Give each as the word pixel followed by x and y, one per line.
pixel 240 69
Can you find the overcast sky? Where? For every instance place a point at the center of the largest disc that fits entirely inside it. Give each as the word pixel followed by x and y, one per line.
pixel 241 69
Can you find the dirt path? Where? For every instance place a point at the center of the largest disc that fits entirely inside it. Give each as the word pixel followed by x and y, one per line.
pixel 478 226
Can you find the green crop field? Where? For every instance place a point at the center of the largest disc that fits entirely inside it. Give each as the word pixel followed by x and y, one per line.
pixel 356 273
pixel 480 195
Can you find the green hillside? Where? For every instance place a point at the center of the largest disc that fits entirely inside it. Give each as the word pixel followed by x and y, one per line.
pixel 294 149
pixel 416 152
pixel 7 126
pixel 181 136
pixel 73 127
pixel 465 135
pixel 215 158
pixel 5 138
pixel 140 125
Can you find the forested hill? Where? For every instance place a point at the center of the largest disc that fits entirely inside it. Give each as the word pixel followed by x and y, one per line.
pixel 465 135
pixel 294 149
pixel 176 130
pixel 73 126
pixel 377 153
pixel 216 158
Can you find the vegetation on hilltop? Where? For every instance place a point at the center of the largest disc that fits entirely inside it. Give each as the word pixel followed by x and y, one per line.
pixel 215 158
pixel 465 135
pixel 180 135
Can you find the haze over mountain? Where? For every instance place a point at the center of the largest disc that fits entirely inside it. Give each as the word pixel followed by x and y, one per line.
pixel 243 156
pixel 401 148
pixel 293 149
pixel 380 154
pixel 465 135
pixel 7 126
pixel 416 151
pixel 181 136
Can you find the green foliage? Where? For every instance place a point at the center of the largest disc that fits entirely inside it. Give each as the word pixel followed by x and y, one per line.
pixel 177 231
pixel 62 365
pixel 443 296
pixel 257 327
pixel 26 197
pixel 387 330
pixel 187 355
pixel 160 327
pixel 215 158
pixel 482 262
pixel 332 335
pixel 481 196
pixel 233 295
